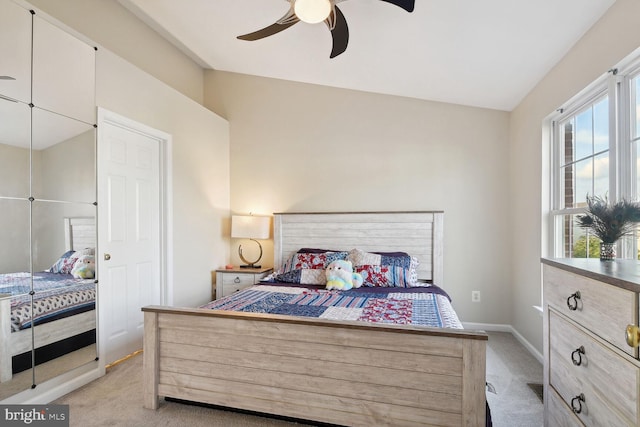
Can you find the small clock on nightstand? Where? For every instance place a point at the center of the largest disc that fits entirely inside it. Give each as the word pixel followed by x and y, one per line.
pixel 232 280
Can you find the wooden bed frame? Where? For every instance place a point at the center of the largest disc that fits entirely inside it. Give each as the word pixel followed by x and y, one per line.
pixel 79 233
pixel 338 372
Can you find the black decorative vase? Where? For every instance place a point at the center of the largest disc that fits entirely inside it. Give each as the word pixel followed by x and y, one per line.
pixel 607 251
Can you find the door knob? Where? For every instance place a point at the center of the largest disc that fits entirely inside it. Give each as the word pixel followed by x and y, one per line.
pixel 632 335
pixel 107 257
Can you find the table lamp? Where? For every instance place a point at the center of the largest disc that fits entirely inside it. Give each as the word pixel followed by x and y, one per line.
pixel 252 228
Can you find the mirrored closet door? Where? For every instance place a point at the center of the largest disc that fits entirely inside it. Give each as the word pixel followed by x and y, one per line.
pixel 47 201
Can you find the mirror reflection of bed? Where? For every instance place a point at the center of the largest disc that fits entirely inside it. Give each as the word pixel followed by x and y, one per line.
pixel 62 309
pixel 54 163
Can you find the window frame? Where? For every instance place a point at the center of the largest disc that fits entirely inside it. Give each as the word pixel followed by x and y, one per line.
pixel 623 168
pixel 628 145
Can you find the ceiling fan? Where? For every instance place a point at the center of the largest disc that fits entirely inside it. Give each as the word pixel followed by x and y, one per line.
pixel 313 12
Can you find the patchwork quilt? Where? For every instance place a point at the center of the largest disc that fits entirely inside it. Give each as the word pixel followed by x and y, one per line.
pixel 428 306
pixel 55 295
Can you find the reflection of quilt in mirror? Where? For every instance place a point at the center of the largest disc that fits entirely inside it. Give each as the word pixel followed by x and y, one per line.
pixel 56 296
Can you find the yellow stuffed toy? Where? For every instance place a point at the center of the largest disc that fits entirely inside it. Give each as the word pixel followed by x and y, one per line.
pixel 340 275
pixel 85 267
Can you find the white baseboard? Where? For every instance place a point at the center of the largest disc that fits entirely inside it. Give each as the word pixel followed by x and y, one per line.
pixel 493 327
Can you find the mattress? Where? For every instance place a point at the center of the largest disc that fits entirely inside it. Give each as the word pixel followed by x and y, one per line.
pixel 427 306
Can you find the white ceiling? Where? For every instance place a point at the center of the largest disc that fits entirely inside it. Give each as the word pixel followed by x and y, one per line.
pixel 485 53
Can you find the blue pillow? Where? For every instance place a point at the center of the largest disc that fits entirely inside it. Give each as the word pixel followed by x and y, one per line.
pixel 61 265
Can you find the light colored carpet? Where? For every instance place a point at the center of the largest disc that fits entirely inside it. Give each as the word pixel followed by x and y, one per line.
pixel 116 398
pixel 510 368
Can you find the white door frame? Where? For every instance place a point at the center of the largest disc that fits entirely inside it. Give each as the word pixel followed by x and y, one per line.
pixel 166 212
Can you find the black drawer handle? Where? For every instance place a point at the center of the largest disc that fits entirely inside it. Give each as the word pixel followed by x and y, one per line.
pixel 577 352
pixel 575 297
pixel 578 399
pixel 236 280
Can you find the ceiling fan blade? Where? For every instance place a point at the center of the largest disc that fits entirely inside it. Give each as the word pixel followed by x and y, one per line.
pixel 339 32
pixel 280 25
pixel 407 5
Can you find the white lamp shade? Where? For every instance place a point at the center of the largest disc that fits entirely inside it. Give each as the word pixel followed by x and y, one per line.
pixel 250 227
pixel 312 11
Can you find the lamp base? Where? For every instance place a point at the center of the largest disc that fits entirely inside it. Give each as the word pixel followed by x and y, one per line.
pixel 251 266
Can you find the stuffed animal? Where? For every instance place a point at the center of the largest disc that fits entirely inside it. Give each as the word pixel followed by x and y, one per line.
pixel 84 268
pixel 340 275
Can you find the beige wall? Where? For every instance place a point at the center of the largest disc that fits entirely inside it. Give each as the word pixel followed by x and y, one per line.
pixel 199 164
pixel 302 147
pixel 59 172
pixel 615 36
pixel 14 214
pixel 64 171
pixel 109 24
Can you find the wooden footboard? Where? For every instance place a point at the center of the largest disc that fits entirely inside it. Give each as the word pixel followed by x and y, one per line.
pixel 347 373
pixel 14 343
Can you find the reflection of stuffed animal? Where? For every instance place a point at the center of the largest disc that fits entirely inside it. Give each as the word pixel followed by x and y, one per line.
pixel 340 275
pixel 84 268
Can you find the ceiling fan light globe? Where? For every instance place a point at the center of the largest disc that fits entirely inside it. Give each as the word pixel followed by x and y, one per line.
pixel 312 11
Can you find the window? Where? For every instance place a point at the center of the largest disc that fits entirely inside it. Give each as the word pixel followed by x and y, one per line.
pixel 595 152
pixel 634 131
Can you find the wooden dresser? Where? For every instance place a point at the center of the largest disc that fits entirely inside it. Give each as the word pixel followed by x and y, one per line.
pixel 591 372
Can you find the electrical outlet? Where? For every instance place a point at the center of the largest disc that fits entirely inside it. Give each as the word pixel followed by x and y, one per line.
pixel 475 296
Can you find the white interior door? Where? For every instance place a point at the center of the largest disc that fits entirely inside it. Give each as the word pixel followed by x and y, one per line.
pixel 129 233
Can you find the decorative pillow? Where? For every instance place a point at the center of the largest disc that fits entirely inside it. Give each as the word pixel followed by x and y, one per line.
pixel 64 264
pixel 308 268
pixel 386 269
pixel 374 275
pixel 315 251
pixel 85 251
pixel 303 276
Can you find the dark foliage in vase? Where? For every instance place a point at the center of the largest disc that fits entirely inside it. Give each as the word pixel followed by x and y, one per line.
pixel 609 222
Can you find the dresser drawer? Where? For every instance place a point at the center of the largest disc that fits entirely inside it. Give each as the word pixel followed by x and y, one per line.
pixel 559 414
pixel 239 279
pixel 603 309
pixel 579 364
pixel 229 288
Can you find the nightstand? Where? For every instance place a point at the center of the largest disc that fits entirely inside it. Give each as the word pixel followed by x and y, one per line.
pixel 232 280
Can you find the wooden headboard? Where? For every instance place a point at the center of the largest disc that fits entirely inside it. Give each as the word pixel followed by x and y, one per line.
pixel 417 233
pixel 79 233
